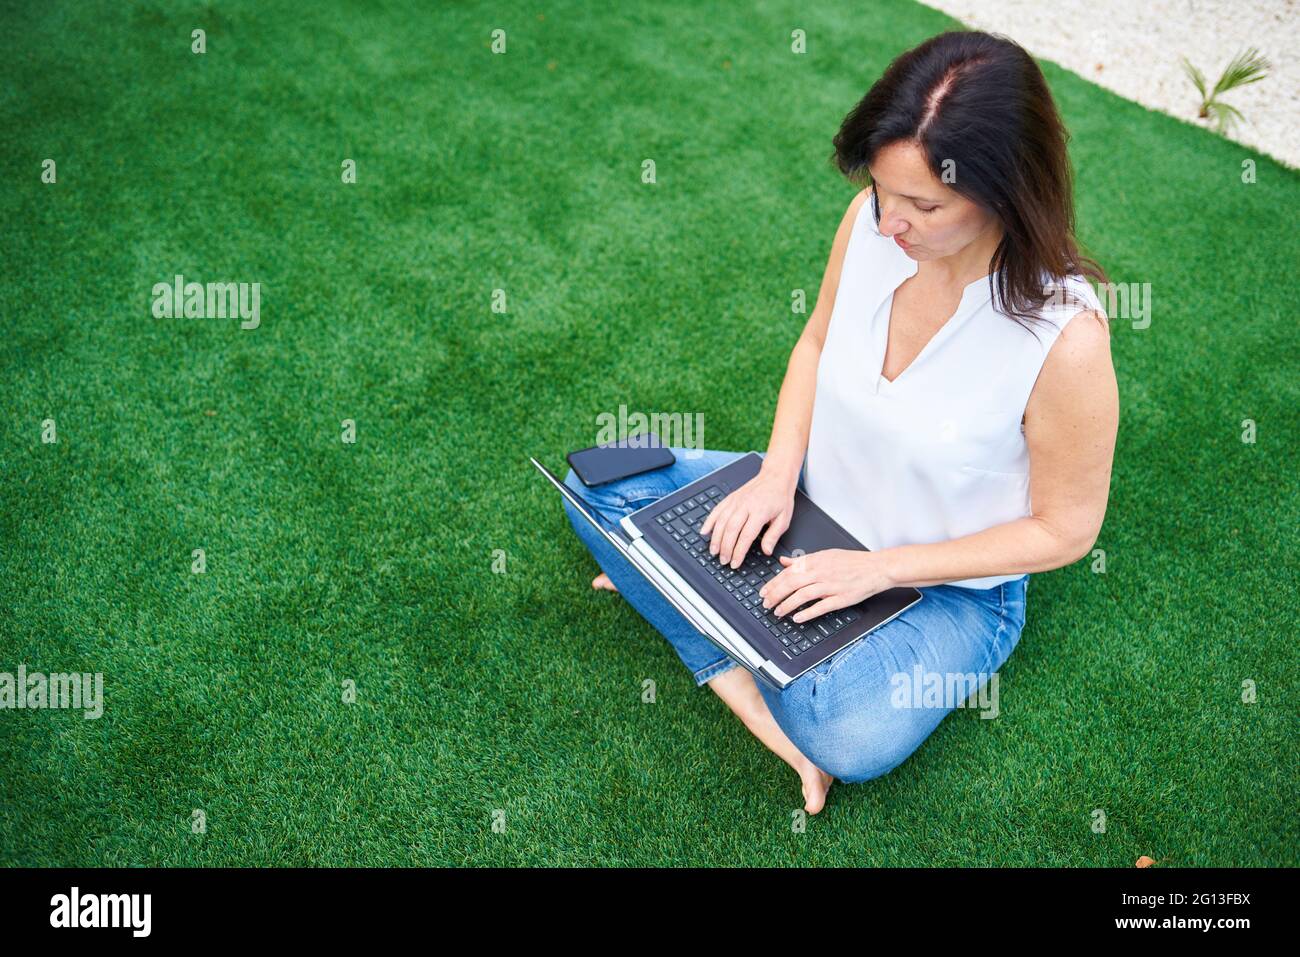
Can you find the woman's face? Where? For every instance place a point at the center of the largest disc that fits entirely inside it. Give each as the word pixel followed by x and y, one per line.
pixel 931 219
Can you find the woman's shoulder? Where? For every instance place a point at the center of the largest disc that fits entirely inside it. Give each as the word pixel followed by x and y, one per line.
pixel 859 229
pixel 860 212
pixel 1068 296
pixel 865 202
pixel 1081 340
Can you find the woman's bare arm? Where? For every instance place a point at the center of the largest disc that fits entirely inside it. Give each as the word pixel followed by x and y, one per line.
pixel 794 405
pixel 767 500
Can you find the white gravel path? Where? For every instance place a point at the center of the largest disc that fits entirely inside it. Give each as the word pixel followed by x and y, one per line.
pixel 1133 47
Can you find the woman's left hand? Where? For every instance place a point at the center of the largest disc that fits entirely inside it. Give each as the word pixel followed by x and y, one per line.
pixel 830 579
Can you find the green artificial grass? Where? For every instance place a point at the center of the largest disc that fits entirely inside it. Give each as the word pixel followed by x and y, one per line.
pixel 520 692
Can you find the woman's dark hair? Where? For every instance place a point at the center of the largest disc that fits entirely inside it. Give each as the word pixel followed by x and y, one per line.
pixel 980 101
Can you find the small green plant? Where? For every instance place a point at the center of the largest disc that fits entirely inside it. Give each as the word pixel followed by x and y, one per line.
pixel 1248 67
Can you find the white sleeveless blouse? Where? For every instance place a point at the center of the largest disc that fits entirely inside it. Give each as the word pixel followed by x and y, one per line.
pixel 939 452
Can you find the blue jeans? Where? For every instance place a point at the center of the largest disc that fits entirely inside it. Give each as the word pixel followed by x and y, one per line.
pixel 860 713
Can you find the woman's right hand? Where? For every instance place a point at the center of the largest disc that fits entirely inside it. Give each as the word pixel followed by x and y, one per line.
pixel 737 519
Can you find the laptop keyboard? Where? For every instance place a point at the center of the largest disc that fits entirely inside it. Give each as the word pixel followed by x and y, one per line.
pixel 682 522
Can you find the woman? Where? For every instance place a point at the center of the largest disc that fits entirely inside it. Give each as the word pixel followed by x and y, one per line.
pixel 956 359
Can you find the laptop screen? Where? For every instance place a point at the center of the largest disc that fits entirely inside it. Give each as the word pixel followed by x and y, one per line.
pixel 617 534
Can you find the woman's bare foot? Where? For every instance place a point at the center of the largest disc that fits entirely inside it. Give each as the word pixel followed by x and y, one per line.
pixel 602 581
pixel 816 783
pixel 737 689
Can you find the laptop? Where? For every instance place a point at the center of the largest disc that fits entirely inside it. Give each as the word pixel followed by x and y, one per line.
pixel 662 541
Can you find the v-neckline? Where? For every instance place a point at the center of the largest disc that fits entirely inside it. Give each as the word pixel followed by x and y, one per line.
pixel 946 329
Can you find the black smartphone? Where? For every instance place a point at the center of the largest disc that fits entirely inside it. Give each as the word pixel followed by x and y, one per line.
pixel 630 456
